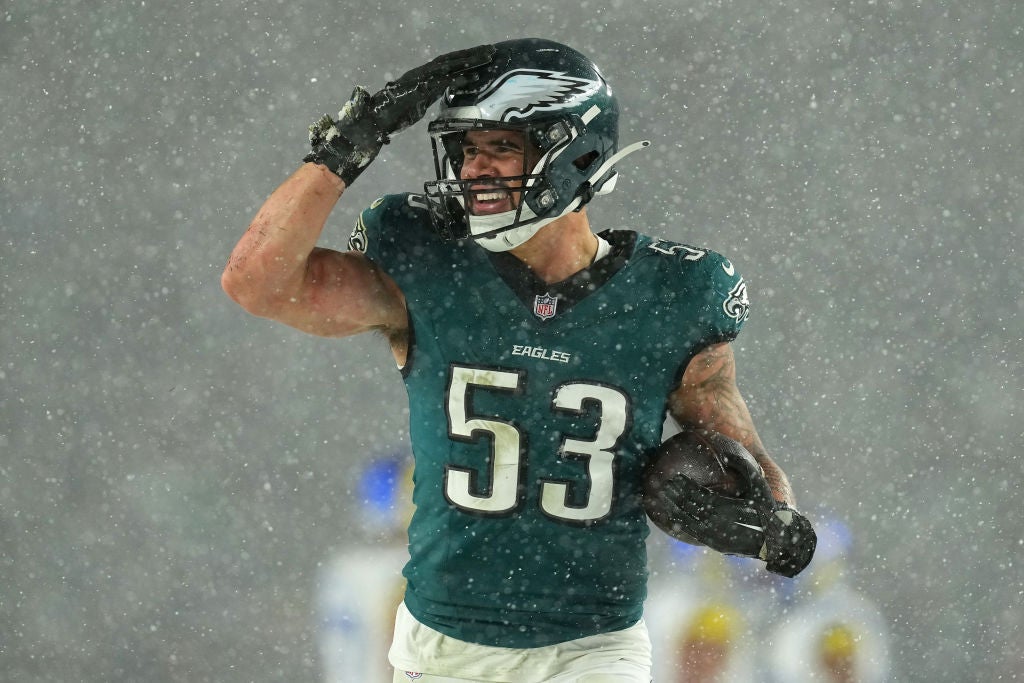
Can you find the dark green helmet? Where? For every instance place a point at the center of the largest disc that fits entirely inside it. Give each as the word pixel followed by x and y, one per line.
pixel 566 110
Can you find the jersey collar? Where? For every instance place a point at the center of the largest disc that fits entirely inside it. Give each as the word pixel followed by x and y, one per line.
pixel 569 292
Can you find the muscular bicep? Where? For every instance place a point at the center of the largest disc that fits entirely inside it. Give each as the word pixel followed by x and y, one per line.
pixel 344 293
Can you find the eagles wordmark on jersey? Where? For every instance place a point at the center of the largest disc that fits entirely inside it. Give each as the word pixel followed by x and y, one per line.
pixel 531 408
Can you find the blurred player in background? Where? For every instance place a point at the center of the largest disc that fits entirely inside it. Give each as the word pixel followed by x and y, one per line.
pixel 831 632
pixel 702 616
pixel 359 589
pixel 712 619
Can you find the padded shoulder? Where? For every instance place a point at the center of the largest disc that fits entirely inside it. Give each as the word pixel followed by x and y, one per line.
pixel 389 224
pixel 705 279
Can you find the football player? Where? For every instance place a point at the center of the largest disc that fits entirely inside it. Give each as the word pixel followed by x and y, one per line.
pixel 540 357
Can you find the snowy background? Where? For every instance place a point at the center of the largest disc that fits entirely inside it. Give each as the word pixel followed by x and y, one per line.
pixel 173 471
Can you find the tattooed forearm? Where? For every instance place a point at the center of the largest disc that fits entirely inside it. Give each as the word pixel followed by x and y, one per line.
pixel 708 398
pixel 778 480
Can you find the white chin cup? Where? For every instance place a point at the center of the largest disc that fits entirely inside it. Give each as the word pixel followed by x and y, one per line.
pixel 512 237
pixel 503 241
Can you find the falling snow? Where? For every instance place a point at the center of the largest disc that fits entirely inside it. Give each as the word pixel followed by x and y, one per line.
pixel 174 474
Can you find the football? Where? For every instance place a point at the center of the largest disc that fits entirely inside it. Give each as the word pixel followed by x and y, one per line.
pixel 699 455
pixel 706 458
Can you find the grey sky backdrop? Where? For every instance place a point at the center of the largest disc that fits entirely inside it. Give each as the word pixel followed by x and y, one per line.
pixel 173 471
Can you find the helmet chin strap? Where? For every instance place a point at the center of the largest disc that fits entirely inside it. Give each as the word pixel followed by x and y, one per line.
pixel 513 237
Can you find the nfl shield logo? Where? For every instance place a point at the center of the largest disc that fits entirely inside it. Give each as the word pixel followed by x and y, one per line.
pixel 544 306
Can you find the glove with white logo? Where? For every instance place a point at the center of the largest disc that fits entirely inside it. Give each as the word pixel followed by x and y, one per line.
pixel 789 540
pixel 365 123
pixel 748 522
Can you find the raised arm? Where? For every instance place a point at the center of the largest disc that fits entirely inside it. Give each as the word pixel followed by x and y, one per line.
pixel 276 270
pixel 708 398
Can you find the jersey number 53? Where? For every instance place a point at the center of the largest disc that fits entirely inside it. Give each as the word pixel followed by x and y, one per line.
pixel 507 466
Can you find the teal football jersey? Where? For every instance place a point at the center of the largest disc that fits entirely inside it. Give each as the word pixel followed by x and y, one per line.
pixel 532 408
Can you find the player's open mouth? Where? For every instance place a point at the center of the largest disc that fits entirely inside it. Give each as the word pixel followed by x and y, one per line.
pixel 489 200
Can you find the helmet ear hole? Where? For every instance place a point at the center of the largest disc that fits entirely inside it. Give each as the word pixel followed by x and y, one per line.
pixel 583 162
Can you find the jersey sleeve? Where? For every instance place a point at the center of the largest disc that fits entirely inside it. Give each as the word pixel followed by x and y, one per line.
pixel 722 293
pixel 707 294
pixel 374 232
pixel 394 232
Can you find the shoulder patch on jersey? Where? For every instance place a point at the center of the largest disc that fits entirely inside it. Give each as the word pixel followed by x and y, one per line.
pixel 737 305
pixel 358 240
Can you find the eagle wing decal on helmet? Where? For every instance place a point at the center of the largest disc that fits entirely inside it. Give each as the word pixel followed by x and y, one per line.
pixel 521 92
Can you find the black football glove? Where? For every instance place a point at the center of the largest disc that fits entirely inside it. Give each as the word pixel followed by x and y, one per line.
pixel 753 524
pixel 366 122
pixel 789 540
